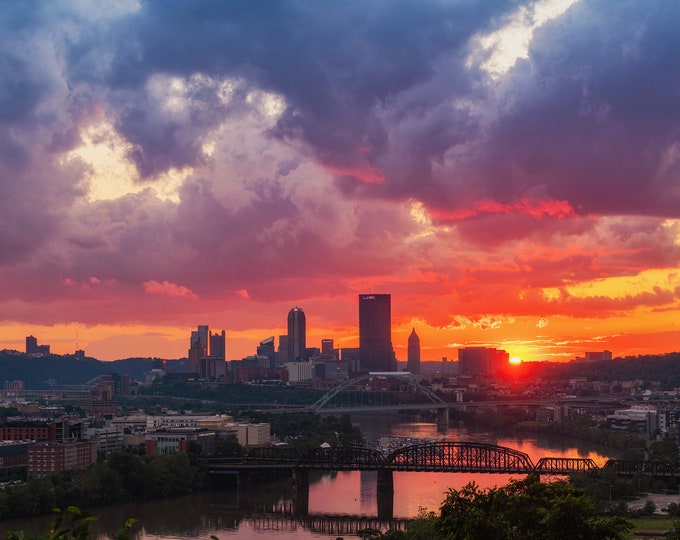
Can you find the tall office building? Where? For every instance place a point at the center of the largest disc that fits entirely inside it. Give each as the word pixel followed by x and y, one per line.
pixel 297 340
pixel 481 361
pixel 207 353
pixel 413 364
pixel 375 333
pixel 327 347
pixel 266 348
pixel 218 345
pixel 200 340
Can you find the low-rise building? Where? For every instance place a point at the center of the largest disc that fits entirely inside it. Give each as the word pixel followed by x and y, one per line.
pixel 13 457
pixel 166 441
pixel 52 457
pixel 254 434
pixel 108 439
pixel 299 371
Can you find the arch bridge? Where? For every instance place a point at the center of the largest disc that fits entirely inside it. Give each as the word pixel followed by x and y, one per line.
pixel 360 394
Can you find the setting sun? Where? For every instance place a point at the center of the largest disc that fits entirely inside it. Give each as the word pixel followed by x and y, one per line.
pixel 515 360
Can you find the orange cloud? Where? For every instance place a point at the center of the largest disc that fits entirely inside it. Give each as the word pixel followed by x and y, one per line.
pixel 537 209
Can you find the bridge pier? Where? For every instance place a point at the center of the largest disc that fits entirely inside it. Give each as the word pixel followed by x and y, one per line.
pixel 385 494
pixel 442 420
pixel 300 492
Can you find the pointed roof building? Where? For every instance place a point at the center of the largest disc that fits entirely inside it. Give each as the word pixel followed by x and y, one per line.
pixel 413 364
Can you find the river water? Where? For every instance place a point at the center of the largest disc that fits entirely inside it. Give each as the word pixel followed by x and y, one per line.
pixel 339 503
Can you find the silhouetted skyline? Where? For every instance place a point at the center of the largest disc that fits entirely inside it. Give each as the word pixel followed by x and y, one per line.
pixel 508 171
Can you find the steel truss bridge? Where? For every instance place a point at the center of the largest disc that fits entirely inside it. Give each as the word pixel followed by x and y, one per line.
pixel 435 456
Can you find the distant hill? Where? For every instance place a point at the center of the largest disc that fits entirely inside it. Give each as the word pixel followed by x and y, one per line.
pixel 45 371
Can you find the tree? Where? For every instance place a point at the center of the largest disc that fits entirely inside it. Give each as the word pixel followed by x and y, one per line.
pixel 524 509
pixel 73 523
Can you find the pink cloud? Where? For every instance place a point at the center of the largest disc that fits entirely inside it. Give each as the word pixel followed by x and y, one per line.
pixel 169 289
pixel 242 293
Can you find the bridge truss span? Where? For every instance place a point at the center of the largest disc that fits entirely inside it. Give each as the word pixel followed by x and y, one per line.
pixel 450 456
pixel 343 458
pixel 563 465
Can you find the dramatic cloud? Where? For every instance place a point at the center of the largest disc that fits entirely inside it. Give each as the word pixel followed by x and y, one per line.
pixel 494 165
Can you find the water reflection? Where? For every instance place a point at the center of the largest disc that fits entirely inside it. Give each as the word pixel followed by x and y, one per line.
pixel 264 510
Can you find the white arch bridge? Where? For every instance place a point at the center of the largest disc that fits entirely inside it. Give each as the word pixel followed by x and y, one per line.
pixel 363 394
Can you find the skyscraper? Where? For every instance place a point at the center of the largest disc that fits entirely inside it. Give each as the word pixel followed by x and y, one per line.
pixel 413 364
pixel 297 340
pixel 375 333
pixel 218 345
pixel 200 339
pixel 207 353
pixel 266 348
pixel 481 361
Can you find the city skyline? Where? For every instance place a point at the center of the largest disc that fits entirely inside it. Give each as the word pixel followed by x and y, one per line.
pixel 508 172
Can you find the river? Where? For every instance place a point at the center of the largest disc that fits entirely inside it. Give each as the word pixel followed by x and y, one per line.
pixel 247 513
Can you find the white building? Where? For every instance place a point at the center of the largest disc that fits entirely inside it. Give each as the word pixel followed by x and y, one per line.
pixel 299 371
pixel 108 439
pixel 175 421
pixel 254 434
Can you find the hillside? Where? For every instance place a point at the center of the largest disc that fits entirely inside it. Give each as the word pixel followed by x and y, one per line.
pixel 46 371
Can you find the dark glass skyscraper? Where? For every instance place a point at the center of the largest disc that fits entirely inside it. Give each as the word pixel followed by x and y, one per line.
pixel 375 333
pixel 297 335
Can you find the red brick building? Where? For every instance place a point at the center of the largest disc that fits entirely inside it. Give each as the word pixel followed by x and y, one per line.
pixel 60 430
pixel 52 457
pixel 29 431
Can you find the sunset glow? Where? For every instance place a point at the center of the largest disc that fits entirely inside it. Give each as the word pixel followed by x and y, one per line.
pixel 508 172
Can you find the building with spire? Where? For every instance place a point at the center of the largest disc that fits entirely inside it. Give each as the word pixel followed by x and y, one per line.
pixel 413 364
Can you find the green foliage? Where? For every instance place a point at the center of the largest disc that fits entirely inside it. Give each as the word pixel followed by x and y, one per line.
pixel 524 509
pixel 664 451
pixel 664 368
pixel 122 477
pixel 632 445
pixel 230 447
pixel 65 369
pixel 675 533
pixel 74 523
pixel 648 509
pixel 233 394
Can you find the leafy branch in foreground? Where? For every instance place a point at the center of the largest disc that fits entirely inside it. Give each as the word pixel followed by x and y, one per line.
pixel 71 524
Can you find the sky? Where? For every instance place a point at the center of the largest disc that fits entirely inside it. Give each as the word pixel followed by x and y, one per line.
pixel 509 171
